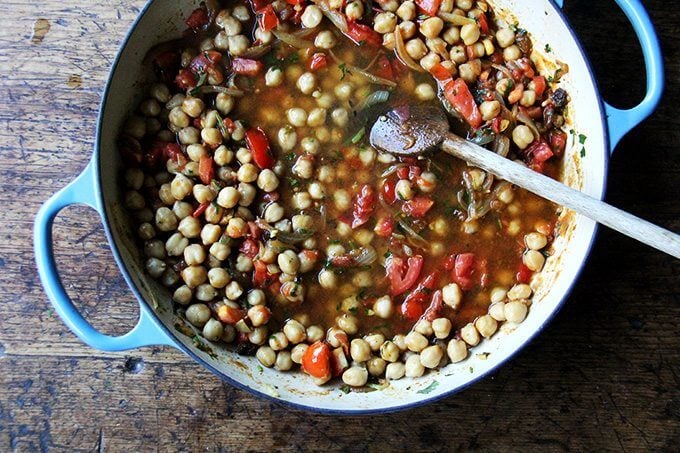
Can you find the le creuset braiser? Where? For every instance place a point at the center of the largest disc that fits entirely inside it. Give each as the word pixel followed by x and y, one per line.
pixel 97 186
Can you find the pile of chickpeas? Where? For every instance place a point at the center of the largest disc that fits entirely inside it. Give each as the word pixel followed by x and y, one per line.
pixel 197 256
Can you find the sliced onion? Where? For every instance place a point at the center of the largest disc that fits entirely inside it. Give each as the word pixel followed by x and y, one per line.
pixel 377 97
pixel 334 16
pixel 210 89
pixel 456 19
pixel 354 70
pixel 400 50
pixel 506 72
pixel 291 39
pixel 294 237
pixel 416 239
pixel 392 169
pixel 482 140
pixel 257 51
pixel 365 256
pixel 524 118
pixel 501 145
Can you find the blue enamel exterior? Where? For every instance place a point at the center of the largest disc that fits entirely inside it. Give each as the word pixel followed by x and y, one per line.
pixel 86 189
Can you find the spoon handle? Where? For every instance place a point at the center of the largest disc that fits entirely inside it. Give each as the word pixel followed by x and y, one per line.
pixel 601 212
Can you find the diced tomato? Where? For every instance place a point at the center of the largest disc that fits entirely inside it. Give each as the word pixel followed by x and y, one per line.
pixel 449 262
pixel 267 19
pixel 250 248
pixel 254 230
pixel 402 172
pixel 230 315
pixel 440 73
pixel 246 66
pixel 399 69
pixel 401 281
pixel 413 306
pixel 167 60
pixel 318 62
pixel 417 207
pixel 206 169
pixel 364 205
pixel 496 124
pixel 539 86
pixel 463 269
pixel 540 152
pixel 434 310
pixel 207 62
pixel 185 79
pixel 200 209
pixel 339 362
pixel 458 94
pixel 429 7
pixel 385 227
pixel 316 361
pixel 524 274
pixel 198 19
pixel 258 144
pixel 558 142
pixel 527 67
pixel 497 57
pixel 535 112
pixel 229 124
pixel 258 4
pixel 295 2
pixel 483 24
pixel 383 68
pixel 260 274
pixel 363 34
pixel 388 192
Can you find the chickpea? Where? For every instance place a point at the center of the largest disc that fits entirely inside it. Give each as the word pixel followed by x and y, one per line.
pixel 403 189
pixel 360 351
pixel 205 292
pixel 456 350
pixel 534 260
pixel 384 22
pixel 354 10
pixel 236 228
pixel 343 91
pixel 155 267
pixel 194 254
pixel 182 295
pixel 383 307
pixel 486 325
pixel 416 48
pixel 328 279
pixel 176 244
pixel 287 138
pixel 452 295
pixel 490 110
pixel 289 262
pixel 265 37
pixel 302 200
pixel 413 367
pixel 441 327
pixel 429 61
pixel 528 98
pixel 415 341
pixel 273 213
pixel 355 376
pixel 519 291
pixel 317 117
pixel 375 341
pixel 284 361
pixel 311 17
pixel 325 40
pixel 470 335
pixel 306 83
pixel 505 37
pixel 166 220
pixel 340 117
pixel 348 323
pixel 425 92
pixel 423 327
pixel 431 27
pixel 522 136
pixel 407 11
pixel 134 200
pixel 511 53
pixel 395 371
pixel 273 77
pixel 469 33
pixel 310 145
pixel 198 314
pixel 376 366
pixel 458 55
pixel 451 35
pixel 315 333
pixel 266 356
pixel 431 356
pixel 535 241
pixel 515 311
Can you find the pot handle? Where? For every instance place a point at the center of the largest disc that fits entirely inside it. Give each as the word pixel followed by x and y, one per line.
pixel 147 332
pixel 620 121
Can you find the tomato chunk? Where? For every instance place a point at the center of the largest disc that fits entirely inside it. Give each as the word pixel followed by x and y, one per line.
pixel 267 18
pixel 246 66
pixel 384 69
pixel 316 361
pixel 417 207
pixel 388 192
pixel 429 7
pixel 401 281
pixel 440 73
pixel 230 315
pixel 363 34
pixel 413 306
pixel 200 209
pixel 206 169
pixel 483 24
pixel 524 274
pixel 318 62
pixel 258 144
pixel 198 19
pixel 385 227
pixel 458 94
pixel 539 152
pixel 558 142
pixel 364 205
pixel 434 310
pixel 463 269
pixel 539 86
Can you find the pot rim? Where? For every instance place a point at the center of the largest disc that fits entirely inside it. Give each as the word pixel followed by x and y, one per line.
pixel 281 401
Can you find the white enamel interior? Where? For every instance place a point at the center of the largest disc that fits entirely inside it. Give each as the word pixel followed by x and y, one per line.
pixel 161 21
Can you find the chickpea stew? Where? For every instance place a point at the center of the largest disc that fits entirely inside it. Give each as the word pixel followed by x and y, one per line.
pixel 277 228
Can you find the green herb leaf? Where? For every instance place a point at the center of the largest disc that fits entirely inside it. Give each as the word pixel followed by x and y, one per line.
pixel 345 71
pixel 583 152
pixel 429 388
pixel 358 136
pixel 345 389
pixel 201 81
pixel 548 49
pixel 582 138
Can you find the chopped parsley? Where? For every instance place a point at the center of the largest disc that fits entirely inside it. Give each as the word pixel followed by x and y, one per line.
pixel 345 71
pixel 548 49
pixel 201 81
pixel 582 138
pixel 345 389
pixel 583 152
pixel 429 388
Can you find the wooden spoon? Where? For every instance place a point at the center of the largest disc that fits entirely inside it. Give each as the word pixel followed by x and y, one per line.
pixel 413 130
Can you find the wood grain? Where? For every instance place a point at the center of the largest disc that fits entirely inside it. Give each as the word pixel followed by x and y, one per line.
pixel 605 375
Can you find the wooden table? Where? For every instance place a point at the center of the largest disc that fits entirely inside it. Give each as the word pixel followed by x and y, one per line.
pixel 604 376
